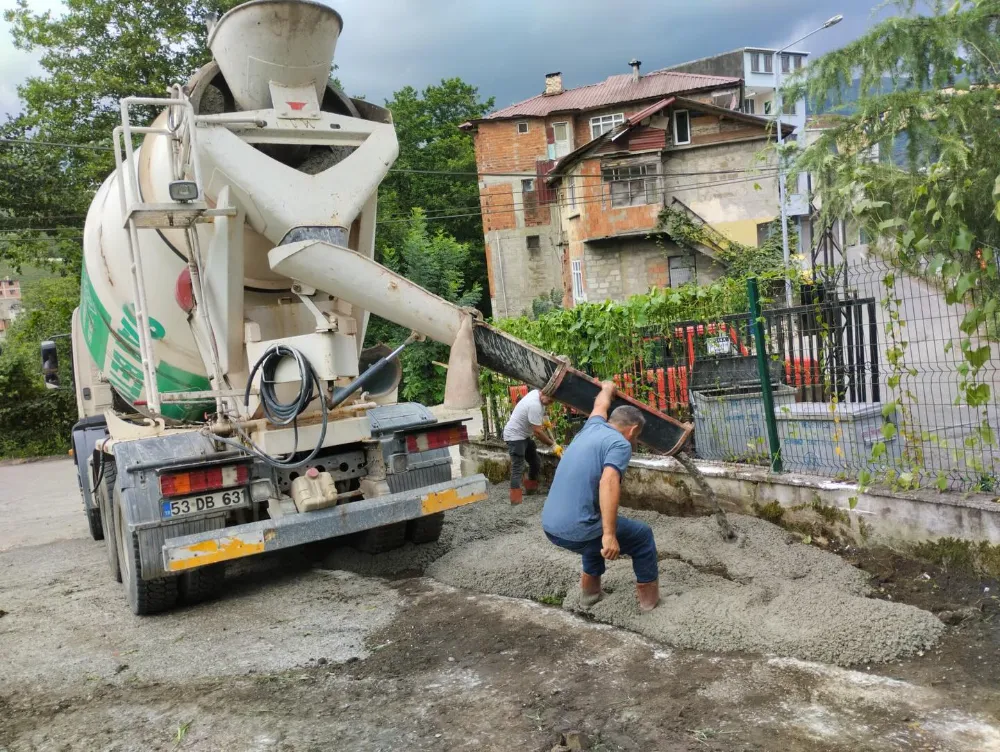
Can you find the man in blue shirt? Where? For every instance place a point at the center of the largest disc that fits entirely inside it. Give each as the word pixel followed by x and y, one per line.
pixel 581 511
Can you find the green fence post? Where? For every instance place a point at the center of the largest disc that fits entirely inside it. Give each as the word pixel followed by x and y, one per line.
pixel 756 321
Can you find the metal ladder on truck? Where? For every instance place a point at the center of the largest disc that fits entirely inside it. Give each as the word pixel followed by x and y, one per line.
pixel 188 209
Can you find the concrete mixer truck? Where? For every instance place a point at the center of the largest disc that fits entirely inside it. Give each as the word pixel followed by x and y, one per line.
pixel 227 404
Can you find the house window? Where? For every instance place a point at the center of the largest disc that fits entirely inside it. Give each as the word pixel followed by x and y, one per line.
pixel 571 192
pixel 786 63
pixel 682 127
pixel 767 107
pixel 681 270
pixel 755 62
pixel 533 243
pixel 604 123
pixel 768 63
pixel 632 186
pixel 528 185
pixel 798 59
pixel 788 107
pixel 577 269
pixel 764 230
pixel 522 127
pixel 748 106
pixel 560 132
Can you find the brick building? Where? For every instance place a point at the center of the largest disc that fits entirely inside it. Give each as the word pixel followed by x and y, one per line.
pixel 10 303
pixel 573 180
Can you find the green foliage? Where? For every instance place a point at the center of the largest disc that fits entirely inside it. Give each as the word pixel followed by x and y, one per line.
pixel 437 262
pixel 740 260
pixel 545 303
pixel 92 55
pixel 934 209
pixel 430 141
pixel 36 421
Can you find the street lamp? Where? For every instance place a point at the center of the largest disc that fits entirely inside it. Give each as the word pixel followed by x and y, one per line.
pixel 782 196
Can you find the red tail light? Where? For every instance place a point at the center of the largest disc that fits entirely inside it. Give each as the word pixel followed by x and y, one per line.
pixel 208 479
pixel 437 439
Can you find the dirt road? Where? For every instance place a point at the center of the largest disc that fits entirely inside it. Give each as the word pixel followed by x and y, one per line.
pixel 296 657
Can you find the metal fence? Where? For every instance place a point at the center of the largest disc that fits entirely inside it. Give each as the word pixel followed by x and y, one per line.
pixel 878 379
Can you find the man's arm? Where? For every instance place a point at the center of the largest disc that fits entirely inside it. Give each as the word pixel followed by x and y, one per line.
pixel 608 493
pixel 603 402
pixel 542 435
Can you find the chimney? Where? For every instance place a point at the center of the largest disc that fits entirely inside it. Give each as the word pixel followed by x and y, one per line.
pixel 553 84
pixel 635 68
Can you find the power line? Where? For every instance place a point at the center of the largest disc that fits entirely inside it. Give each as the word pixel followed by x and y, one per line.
pixel 408 171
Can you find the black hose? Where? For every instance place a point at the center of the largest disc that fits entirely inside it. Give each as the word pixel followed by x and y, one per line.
pixel 284 413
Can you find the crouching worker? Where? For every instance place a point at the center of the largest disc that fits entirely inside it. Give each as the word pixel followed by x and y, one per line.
pixel 581 511
pixel 527 422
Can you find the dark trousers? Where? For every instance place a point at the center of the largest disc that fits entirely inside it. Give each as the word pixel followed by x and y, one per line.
pixel 521 452
pixel 635 539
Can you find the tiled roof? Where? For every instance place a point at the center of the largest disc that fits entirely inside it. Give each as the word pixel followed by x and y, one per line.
pixel 614 90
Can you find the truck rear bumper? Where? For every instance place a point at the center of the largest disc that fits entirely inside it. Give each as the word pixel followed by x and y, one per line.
pixel 212 546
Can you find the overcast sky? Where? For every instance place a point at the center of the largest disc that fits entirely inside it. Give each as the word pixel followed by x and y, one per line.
pixel 506 48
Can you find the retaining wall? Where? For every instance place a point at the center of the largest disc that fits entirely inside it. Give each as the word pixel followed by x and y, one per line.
pixel 809 504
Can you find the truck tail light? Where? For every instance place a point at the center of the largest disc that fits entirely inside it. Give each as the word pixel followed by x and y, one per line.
pixel 437 439
pixel 199 481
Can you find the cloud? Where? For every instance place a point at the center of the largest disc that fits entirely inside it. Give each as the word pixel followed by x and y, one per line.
pixel 505 49
pixel 16 65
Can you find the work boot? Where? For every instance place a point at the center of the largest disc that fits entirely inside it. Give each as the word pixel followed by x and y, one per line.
pixel 649 594
pixel 590 589
pixel 516 496
pixel 531 486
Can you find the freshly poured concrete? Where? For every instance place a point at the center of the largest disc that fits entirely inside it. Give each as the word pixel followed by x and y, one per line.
pixel 767 593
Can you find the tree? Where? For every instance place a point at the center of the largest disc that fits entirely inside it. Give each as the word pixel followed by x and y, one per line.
pixel 930 81
pixel 939 208
pixel 94 54
pixel 432 149
pixel 34 420
pixel 437 262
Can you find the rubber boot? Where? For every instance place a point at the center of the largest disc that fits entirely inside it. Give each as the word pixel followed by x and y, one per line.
pixel 590 589
pixel 531 486
pixel 649 595
pixel 516 496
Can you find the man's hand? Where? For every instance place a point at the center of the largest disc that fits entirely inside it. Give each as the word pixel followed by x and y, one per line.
pixel 603 402
pixel 609 547
pixel 557 451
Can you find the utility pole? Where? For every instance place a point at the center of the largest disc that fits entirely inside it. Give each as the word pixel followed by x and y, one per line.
pixel 782 188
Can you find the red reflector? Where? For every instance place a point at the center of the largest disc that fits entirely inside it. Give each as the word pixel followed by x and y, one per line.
pixel 439 439
pixel 208 479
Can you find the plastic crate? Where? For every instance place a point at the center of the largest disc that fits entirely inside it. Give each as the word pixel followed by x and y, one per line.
pixel 729 422
pixel 823 438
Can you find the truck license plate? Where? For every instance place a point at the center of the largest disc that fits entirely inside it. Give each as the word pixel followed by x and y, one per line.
pixel 173 508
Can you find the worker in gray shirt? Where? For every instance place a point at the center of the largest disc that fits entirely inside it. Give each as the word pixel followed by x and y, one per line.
pixel 527 422
pixel 581 511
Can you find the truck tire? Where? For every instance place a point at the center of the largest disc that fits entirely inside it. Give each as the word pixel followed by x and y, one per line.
pixel 378 540
pixel 202 584
pixel 425 529
pixel 94 523
pixel 108 518
pixel 144 596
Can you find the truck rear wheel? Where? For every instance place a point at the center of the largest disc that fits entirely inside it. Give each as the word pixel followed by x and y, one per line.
pixel 144 596
pixel 102 497
pixel 94 523
pixel 202 584
pixel 425 529
pixel 378 540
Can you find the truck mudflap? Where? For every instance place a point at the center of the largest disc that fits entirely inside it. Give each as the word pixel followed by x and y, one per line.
pixel 213 546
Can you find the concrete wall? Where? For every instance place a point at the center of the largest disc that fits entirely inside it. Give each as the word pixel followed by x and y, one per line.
pixel 878 517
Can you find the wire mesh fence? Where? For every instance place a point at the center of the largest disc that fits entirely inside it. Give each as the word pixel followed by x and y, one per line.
pixel 878 379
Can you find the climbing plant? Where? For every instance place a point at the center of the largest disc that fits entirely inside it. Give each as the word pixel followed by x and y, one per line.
pixel 914 161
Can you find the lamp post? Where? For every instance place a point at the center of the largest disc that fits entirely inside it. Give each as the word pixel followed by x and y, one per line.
pixel 782 190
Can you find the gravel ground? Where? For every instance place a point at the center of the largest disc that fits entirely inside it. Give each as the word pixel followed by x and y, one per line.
pixel 299 658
